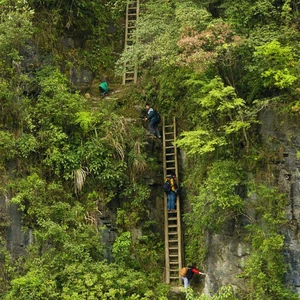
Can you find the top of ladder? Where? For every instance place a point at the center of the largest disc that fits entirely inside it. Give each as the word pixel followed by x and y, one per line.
pixel 132 14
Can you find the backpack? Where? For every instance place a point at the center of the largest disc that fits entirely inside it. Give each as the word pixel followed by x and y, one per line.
pixel 157 117
pixel 189 274
pixel 183 271
pixel 167 185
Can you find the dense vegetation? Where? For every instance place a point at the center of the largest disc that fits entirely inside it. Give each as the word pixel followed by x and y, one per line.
pixel 216 64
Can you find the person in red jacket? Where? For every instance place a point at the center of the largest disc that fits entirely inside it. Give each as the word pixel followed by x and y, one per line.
pixel 189 275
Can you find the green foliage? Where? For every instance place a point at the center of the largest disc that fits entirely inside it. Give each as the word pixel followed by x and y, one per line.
pixel 198 17
pixel 87 280
pixel 277 65
pixel 247 16
pixel 217 198
pixel 65 140
pixel 83 16
pixel 72 268
pixel 55 104
pixel 35 285
pixel 26 144
pixel 86 120
pixel 78 36
pixel 7 146
pixel 220 114
pixel 15 30
pixel 159 31
pixel 265 268
pixel 224 293
pixel 5 260
pixel 121 248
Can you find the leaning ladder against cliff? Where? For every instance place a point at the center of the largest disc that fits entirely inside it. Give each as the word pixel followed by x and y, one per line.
pixel 132 14
pixel 173 237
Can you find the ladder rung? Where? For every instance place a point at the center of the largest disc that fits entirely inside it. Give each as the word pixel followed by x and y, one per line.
pixel 130 68
pixel 174 263
pixel 173 248
pixel 169 147
pixel 172 226
pixel 173 233
pixel 170 161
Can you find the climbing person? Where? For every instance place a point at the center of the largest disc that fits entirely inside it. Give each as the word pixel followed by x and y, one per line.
pixel 154 118
pixel 103 88
pixel 187 273
pixel 171 188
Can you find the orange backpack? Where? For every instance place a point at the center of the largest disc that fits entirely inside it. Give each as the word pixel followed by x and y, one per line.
pixel 183 271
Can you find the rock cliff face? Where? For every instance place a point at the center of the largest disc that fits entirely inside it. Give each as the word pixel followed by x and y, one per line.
pixel 227 251
pixel 17 239
pixel 285 131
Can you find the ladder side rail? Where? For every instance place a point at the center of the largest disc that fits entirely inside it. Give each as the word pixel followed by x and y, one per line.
pixel 126 25
pixel 167 256
pixel 136 63
pixel 126 40
pixel 180 249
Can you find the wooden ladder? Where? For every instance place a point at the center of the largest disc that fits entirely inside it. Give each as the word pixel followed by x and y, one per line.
pixel 173 236
pixel 132 14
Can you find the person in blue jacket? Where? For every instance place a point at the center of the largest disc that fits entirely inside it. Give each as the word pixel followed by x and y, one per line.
pixel 154 118
pixel 103 88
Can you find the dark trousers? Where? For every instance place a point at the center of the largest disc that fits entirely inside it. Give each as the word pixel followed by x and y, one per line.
pixel 153 128
pixel 103 91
